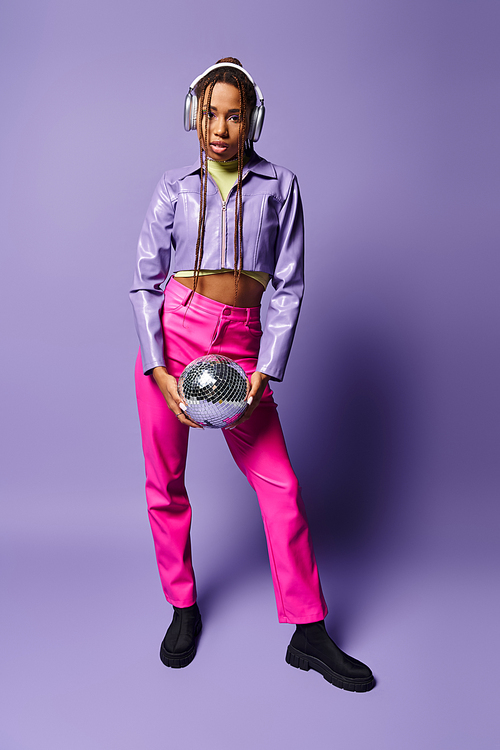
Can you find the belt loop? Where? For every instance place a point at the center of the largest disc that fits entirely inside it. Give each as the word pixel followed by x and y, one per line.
pixel 187 297
pixel 247 321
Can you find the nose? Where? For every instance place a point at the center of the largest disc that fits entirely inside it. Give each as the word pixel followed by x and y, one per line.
pixel 221 127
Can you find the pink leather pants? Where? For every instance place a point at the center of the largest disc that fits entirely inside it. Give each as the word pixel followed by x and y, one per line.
pixel 257 446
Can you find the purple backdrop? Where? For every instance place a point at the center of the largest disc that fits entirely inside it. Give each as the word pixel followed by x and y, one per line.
pixel 389 114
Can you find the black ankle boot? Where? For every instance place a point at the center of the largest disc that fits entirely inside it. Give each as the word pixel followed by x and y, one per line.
pixel 312 648
pixel 178 648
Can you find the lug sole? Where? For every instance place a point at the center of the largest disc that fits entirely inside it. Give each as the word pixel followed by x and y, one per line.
pixel 177 661
pixel 299 660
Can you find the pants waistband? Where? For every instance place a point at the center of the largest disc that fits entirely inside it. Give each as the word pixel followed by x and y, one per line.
pixel 177 291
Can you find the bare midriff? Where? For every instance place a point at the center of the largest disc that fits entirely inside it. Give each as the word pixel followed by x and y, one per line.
pixel 220 287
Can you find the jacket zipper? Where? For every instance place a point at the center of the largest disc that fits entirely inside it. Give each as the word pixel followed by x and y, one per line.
pixel 224 215
pixel 223 244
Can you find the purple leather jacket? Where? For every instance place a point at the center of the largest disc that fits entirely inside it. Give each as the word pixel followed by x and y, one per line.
pixel 273 241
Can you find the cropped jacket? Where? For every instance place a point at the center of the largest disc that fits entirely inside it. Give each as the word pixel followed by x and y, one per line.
pixel 273 241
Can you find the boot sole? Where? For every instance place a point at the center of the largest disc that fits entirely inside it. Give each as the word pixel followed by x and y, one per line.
pixel 177 661
pixel 299 660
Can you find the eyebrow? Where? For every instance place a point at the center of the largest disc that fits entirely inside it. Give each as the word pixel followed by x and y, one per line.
pixel 229 110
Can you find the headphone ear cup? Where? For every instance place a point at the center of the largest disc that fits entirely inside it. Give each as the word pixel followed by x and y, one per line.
pixel 190 109
pixel 251 124
pixel 256 122
pixel 187 111
pixel 194 110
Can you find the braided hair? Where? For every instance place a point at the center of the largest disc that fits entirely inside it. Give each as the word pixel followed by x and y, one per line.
pixel 248 100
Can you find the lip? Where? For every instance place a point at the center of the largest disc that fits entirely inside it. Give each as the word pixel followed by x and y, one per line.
pixel 219 147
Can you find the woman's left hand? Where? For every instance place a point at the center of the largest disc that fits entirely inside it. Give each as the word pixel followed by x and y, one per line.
pixel 257 384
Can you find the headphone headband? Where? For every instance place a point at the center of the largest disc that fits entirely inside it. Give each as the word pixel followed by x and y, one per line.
pixel 257 113
pixel 228 65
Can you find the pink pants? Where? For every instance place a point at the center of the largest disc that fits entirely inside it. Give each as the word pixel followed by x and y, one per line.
pixel 257 446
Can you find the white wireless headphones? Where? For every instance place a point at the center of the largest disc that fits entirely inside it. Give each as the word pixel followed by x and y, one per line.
pixel 256 115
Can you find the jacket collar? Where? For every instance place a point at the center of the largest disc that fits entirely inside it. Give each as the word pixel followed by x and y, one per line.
pixel 256 164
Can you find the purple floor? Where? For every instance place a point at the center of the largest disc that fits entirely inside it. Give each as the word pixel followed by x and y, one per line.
pixel 82 619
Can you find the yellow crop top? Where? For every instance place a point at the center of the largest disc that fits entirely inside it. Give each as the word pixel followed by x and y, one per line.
pixel 224 173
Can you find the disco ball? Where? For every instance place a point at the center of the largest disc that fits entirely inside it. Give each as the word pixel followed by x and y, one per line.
pixel 214 389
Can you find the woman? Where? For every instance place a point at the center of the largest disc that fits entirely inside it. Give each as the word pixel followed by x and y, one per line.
pixel 222 229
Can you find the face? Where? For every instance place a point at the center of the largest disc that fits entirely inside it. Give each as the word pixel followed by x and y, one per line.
pixel 223 122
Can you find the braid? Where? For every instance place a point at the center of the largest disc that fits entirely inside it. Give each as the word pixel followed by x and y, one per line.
pixel 200 240
pixel 238 214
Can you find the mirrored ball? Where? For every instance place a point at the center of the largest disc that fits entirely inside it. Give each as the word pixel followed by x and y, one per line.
pixel 214 389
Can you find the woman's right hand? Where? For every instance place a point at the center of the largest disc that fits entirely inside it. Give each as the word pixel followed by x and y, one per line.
pixel 168 386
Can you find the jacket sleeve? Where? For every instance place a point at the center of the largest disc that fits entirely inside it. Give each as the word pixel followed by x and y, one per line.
pixel 153 261
pixel 288 283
